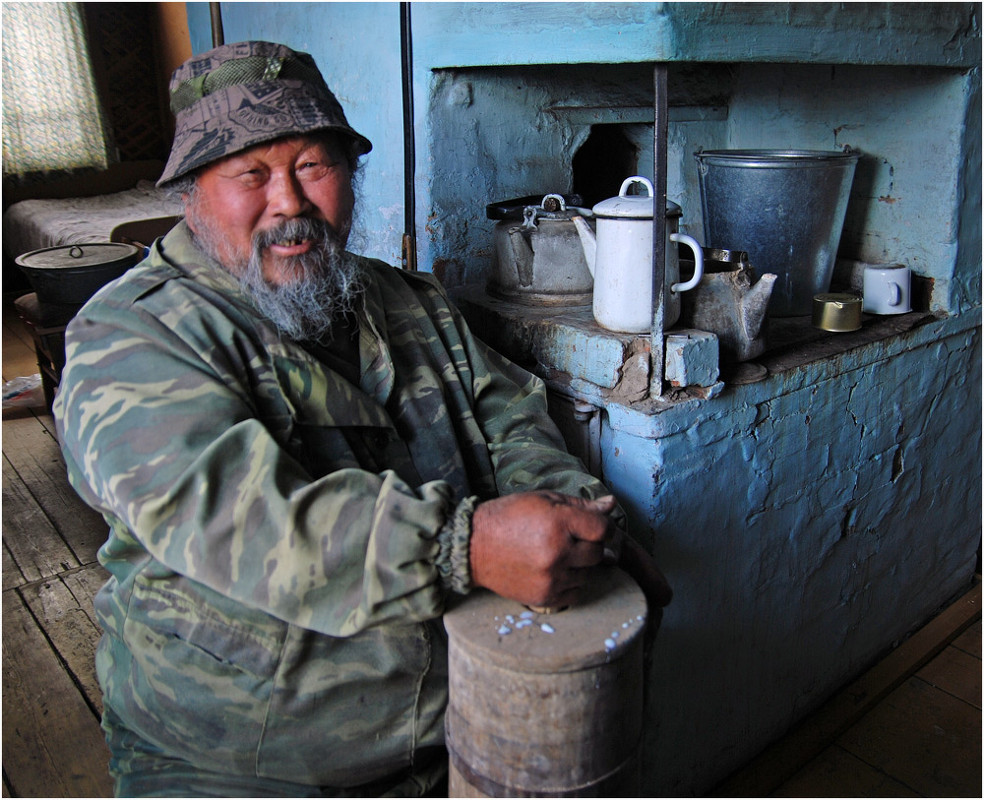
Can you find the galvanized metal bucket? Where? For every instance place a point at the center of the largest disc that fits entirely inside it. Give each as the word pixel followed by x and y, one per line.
pixel 785 208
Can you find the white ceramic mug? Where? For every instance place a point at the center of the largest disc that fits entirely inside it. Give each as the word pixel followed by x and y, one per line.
pixel 886 289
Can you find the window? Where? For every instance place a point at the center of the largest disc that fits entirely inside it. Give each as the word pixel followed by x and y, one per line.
pixel 51 114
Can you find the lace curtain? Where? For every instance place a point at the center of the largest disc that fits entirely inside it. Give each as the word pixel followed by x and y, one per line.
pixel 51 114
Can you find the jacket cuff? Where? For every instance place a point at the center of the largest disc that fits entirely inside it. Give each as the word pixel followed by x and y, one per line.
pixel 454 545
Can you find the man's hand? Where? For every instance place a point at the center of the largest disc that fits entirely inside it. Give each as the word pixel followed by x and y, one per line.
pixel 538 547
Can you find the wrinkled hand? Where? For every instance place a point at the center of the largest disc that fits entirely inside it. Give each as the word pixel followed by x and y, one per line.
pixel 539 547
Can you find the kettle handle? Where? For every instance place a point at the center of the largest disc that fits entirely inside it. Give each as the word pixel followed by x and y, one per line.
pixel 636 179
pixel 557 197
pixel 691 242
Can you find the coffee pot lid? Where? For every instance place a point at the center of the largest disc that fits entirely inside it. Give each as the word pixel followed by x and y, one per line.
pixel 633 206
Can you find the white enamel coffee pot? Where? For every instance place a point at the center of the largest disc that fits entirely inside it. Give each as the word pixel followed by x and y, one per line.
pixel 620 257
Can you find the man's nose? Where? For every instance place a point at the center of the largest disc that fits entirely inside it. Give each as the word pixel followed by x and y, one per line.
pixel 286 197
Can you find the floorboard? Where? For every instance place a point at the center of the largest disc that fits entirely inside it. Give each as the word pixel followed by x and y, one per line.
pixel 52 743
pixel 970 640
pixel 35 544
pixel 63 608
pixel 926 739
pixel 957 673
pixel 838 773
pixel 39 464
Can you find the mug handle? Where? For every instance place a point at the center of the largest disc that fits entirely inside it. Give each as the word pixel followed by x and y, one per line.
pixel 896 293
pixel 692 243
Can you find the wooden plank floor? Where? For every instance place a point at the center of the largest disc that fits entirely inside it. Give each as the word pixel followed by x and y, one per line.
pixel 909 727
pixel 52 743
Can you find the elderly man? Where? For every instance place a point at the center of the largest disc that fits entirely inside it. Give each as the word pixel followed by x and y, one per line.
pixel 302 455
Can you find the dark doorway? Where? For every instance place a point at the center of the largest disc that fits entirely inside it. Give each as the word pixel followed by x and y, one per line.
pixel 601 164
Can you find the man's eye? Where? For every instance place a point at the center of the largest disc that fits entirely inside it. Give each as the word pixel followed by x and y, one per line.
pixel 251 176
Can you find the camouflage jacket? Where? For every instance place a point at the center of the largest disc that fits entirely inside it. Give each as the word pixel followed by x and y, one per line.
pixel 279 536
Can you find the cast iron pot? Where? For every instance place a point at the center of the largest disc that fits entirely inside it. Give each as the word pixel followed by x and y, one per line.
pixel 71 274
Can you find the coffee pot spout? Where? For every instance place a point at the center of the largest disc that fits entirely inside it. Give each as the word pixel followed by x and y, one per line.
pixel 588 241
pixel 755 303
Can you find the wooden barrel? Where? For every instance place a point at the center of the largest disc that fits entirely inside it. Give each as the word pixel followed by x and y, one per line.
pixel 547 705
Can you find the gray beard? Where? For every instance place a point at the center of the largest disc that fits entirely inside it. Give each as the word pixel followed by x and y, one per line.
pixel 306 307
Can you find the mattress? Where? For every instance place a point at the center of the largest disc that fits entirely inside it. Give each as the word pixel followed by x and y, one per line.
pixel 36 224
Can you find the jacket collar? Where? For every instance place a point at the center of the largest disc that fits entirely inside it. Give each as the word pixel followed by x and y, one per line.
pixel 180 250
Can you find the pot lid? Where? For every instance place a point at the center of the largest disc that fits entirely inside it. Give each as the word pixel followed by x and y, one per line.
pixel 633 206
pixel 76 256
pixel 513 209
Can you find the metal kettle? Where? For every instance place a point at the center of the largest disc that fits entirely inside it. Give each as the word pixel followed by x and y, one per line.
pixel 541 261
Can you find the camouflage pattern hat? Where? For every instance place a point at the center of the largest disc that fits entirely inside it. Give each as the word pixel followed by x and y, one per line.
pixel 238 95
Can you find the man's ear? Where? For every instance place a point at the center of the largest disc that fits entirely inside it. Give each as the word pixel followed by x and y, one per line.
pixel 189 217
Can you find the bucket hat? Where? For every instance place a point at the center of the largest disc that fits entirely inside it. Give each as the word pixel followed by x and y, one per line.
pixel 234 96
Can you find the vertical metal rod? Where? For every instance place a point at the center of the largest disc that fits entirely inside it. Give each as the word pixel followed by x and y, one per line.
pixel 215 13
pixel 409 247
pixel 660 114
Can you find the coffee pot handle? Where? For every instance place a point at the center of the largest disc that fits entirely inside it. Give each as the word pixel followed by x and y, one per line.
pixel 623 191
pixel 691 242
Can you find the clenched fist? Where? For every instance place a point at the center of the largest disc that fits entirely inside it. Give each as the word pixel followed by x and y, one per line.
pixel 539 548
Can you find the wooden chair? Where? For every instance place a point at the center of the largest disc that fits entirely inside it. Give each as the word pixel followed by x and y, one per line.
pixel 142 232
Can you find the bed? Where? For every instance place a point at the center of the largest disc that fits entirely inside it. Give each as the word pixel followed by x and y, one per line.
pixel 120 204
pixel 49 222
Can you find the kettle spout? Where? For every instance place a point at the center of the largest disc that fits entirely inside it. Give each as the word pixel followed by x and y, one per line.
pixel 755 303
pixel 588 241
pixel 519 241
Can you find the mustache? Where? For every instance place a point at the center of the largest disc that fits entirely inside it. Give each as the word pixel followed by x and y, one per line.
pixel 296 230
pixel 326 283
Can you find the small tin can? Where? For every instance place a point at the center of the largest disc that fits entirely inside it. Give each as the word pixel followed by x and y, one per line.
pixel 837 312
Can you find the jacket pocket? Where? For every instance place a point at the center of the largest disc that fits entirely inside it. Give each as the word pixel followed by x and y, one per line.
pixel 348 711
pixel 198 677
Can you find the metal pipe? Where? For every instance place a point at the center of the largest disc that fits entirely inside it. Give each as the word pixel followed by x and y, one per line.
pixel 215 12
pixel 660 127
pixel 409 248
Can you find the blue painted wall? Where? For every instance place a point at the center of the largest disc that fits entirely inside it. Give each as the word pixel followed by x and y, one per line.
pixel 805 523
pixel 809 521
pixel 357 47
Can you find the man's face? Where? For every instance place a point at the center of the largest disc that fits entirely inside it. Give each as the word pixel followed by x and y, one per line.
pixel 262 188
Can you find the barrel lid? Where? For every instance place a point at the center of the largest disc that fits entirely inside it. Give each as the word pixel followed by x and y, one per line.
pixel 610 616
pixel 80 256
